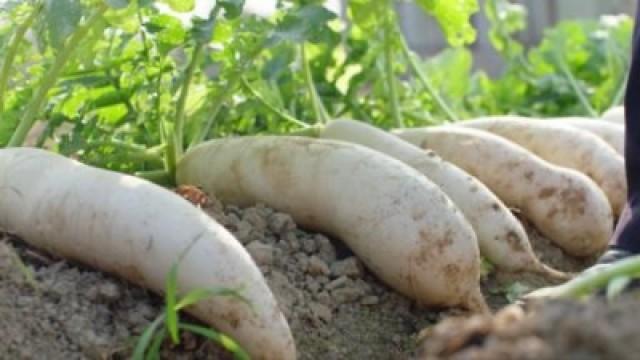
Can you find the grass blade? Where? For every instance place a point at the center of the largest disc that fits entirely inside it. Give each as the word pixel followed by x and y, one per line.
pixel 171 311
pixel 201 294
pixel 226 342
pixel 154 348
pixel 146 338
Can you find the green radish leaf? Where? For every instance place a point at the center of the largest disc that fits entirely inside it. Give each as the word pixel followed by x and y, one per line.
pixel 232 8
pixel 454 18
pixel 366 15
pixel 61 17
pixel 171 312
pixel 117 4
pixel 145 339
pixel 506 19
pixel 617 285
pixel 182 6
pixel 203 29
pixel 308 23
pixel 168 31
pixel 278 64
pixel 8 123
pixel 226 342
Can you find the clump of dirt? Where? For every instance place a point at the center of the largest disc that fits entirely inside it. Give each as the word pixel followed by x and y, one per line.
pixel 550 330
pixel 55 310
pixel 336 309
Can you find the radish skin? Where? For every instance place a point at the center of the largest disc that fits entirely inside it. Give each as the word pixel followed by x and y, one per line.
pixel 396 221
pixel 615 115
pixel 502 239
pixel 127 226
pixel 565 146
pixel 565 205
pixel 612 134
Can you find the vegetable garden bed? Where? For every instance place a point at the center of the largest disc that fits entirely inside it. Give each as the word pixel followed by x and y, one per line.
pixel 335 307
pixel 339 238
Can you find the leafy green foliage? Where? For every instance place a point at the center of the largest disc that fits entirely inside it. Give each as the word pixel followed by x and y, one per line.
pixel 117 98
pixel 62 18
pixel 180 5
pixel 574 58
pixel 453 16
pixel 506 19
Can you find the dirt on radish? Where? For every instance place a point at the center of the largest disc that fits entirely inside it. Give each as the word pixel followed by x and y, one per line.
pixel 336 309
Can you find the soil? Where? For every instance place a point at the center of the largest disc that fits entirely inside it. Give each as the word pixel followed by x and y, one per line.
pixel 53 309
pixel 550 330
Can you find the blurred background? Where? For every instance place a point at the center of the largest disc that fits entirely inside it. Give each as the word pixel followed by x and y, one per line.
pixel 424 35
pixel 419 29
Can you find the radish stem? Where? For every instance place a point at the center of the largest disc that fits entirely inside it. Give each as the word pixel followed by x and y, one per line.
pixel 582 97
pixel 161 177
pixel 11 54
pixel 388 68
pixel 50 78
pixel 425 81
pixel 319 110
pixel 270 107
pixel 177 146
pixel 182 100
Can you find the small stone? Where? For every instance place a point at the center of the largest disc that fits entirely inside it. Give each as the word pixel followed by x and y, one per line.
pixel 321 312
pixel 252 216
pixel 312 285
pixel 140 317
pixel 317 266
pixel 326 251
pixel 109 292
pixel 286 294
pixel 231 221
pixel 302 260
pixel 6 254
pixel 346 295
pixel 24 301
pixel 280 223
pixel 324 298
pixel 337 283
pixel 291 238
pixel 269 239
pixel 243 232
pixel 264 210
pixel 234 210
pixel 348 267
pixel 363 286
pixel 370 300
pixel 261 253
pixel 309 245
